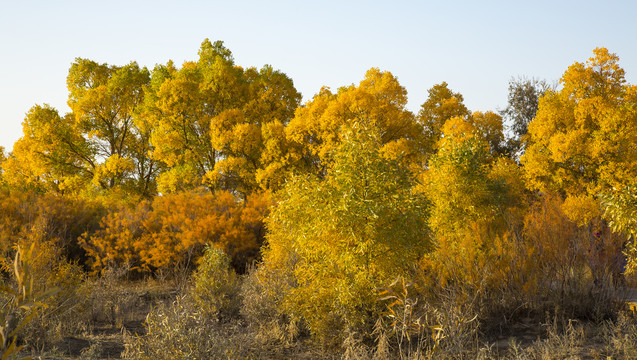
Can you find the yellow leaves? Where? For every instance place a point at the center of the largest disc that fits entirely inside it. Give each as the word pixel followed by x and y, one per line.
pixel 581 209
pixel 211 119
pixel 600 76
pixel 579 142
pixel 378 101
pixel 489 126
pixel 178 178
pixel 114 166
pixel 457 130
pixel 340 238
pixel 397 149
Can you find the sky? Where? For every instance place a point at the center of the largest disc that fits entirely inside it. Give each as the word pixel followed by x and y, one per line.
pixel 475 46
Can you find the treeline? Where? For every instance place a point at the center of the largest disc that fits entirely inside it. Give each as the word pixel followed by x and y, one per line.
pixel 331 201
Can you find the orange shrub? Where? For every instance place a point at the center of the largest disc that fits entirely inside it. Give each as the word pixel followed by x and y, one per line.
pixel 26 217
pixel 172 231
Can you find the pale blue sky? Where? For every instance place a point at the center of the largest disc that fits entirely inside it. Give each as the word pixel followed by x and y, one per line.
pixel 475 46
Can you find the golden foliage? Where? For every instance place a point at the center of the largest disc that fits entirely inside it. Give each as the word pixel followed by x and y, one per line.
pixel 339 239
pixel 378 101
pixel 172 230
pixel 582 139
pixel 213 123
pixel 475 205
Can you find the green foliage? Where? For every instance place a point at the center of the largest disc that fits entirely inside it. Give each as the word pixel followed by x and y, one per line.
pixel 343 237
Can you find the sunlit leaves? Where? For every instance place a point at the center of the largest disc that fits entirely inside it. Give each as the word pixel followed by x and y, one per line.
pixel 378 101
pixel 172 230
pixel 211 122
pixel 582 139
pixel 441 105
pixel 348 234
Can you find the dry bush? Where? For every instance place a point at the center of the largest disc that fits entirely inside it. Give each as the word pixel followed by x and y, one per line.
pixel 202 323
pixel 20 301
pixel 59 312
pixel 621 337
pixel 181 330
pixel 262 294
pixel 28 216
pixel 573 267
pixel 112 299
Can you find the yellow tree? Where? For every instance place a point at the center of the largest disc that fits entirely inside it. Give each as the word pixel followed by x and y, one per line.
pixel 51 154
pixel 581 144
pixel 342 237
pixel 489 126
pixel 472 196
pixel 250 139
pixel 98 145
pixel 441 105
pixel 582 140
pixel 378 101
pixel 212 120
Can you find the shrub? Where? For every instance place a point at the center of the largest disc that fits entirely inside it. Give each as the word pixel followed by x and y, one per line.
pixel 216 285
pixel 21 302
pixel 171 232
pixel 181 331
pixel 338 239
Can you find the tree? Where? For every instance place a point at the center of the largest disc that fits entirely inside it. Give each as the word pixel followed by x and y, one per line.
pixel 489 126
pixel 581 141
pixel 620 207
pixel 346 235
pixel 441 105
pixel 51 155
pixel 474 198
pixel 523 101
pixel 104 100
pixel 98 145
pixel 213 122
pixel 378 101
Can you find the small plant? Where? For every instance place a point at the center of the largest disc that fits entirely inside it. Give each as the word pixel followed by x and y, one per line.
pixel 405 324
pixel 22 302
pixel 216 285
